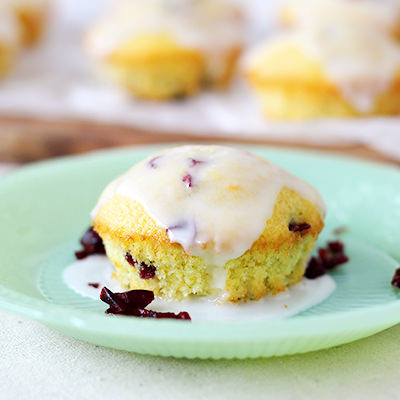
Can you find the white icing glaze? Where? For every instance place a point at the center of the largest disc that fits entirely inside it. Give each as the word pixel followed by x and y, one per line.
pixel 307 293
pixel 360 62
pixel 211 26
pixel 213 200
pixel 93 269
pixel 382 15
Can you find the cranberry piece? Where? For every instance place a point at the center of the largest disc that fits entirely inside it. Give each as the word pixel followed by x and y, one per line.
pixel 194 162
pixel 335 260
pixel 147 271
pixel 315 268
pixel 81 254
pixel 130 260
pixel 396 278
pixel 188 180
pixel 94 285
pixel 91 243
pixel 133 303
pixel 126 301
pixel 336 247
pixel 323 254
pixel 327 258
pixel 162 315
pixel 153 162
pixel 294 227
pixel 183 315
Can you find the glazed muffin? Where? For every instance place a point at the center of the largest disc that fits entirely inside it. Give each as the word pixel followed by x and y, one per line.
pixel 167 49
pixel 31 17
pixel 331 71
pixel 208 221
pixel 9 39
pixel 383 16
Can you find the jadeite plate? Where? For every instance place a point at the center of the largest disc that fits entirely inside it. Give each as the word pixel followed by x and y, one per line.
pixel 44 210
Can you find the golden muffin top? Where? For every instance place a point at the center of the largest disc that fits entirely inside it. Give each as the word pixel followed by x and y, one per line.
pixel 213 200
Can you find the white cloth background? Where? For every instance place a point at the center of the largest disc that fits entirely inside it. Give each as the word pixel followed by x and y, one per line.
pixel 56 81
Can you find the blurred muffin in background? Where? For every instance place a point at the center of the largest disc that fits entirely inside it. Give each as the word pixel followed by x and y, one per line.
pixel 378 15
pixel 328 71
pixel 9 39
pixel 165 49
pixel 31 16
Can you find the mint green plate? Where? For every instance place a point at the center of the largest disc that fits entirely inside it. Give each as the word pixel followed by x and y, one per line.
pixel 44 210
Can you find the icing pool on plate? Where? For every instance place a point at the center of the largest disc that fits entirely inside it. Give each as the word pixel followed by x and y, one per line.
pixel 98 269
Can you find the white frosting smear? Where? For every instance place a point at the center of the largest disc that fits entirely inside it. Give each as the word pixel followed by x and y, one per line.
pixel 213 200
pixel 361 62
pixel 298 298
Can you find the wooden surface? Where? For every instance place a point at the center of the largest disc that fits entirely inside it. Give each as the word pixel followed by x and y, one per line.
pixel 25 140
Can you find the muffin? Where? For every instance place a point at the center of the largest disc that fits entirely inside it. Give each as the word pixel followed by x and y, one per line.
pixel 383 16
pixel 330 71
pixel 167 49
pixel 208 221
pixel 31 16
pixel 9 37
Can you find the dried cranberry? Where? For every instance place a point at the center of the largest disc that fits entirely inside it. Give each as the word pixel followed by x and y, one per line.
pixel 126 301
pixel 162 315
pixel 315 268
pixel 328 258
pixel 194 162
pixel 94 285
pixel 336 247
pixel 147 271
pixel 335 260
pixel 153 162
pixel 130 260
pixel 81 254
pixel 133 303
pixel 396 278
pixel 323 254
pixel 91 243
pixel 188 180
pixel 294 227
